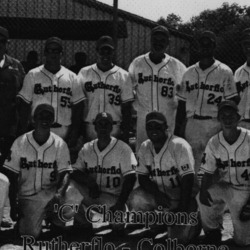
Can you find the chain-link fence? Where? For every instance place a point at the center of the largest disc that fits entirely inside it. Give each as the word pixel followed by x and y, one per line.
pixel 80 23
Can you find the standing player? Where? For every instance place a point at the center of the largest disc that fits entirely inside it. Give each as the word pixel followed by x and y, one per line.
pixel 11 80
pixel 38 167
pixel 104 171
pixel 166 176
pixel 155 76
pixel 242 78
pixel 228 152
pixel 108 88
pixel 53 84
pixel 203 87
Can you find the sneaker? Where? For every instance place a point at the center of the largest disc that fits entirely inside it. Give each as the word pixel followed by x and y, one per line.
pixel 212 237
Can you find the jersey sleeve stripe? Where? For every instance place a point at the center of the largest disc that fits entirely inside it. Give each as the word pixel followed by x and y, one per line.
pixel 180 97
pixel 232 95
pixel 129 100
pixel 21 96
pixel 142 173
pixel 128 172
pixel 65 169
pixel 207 171
pixel 188 172
pixel 81 99
pixel 11 169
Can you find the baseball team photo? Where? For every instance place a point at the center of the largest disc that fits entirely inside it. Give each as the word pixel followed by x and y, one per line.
pixel 124 125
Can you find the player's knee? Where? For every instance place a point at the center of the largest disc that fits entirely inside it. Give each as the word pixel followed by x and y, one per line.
pixel 4 181
pixel 32 232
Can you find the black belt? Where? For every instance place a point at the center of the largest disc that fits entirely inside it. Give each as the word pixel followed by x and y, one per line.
pixel 56 125
pixel 202 117
pixel 245 120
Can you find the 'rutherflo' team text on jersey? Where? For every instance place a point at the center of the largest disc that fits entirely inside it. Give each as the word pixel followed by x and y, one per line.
pixel 61 90
pixel 232 161
pixel 204 90
pixel 105 91
pixel 109 166
pixel 168 166
pixel 242 79
pixel 38 166
pixel 155 84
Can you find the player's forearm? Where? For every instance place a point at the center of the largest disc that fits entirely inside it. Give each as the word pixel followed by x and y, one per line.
pixel 77 114
pixel 180 119
pixel 236 99
pixel 126 117
pixel 186 192
pixel 63 183
pixel 127 187
pixel 24 113
pixel 207 181
pixel 82 178
pixel 148 185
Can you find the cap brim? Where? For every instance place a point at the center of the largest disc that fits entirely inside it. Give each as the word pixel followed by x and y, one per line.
pixel 155 120
pixel 106 45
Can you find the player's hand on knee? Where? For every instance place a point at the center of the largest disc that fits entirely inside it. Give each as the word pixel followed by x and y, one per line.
pixel 206 199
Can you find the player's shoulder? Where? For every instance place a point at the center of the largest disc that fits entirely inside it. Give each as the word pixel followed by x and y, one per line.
pixel 139 59
pixel 36 70
pixel 87 69
pixel 57 140
pixel 178 142
pixel 146 145
pixel 88 146
pixel 176 61
pixel 65 70
pixel 120 70
pixel 12 60
pixel 237 72
pixel 191 69
pixel 223 66
pixel 123 146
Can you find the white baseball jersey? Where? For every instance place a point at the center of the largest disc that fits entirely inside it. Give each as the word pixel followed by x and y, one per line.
pixel 61 90
pixel 109 166
pixel 204 90
pixel 232 161
pixel 38 166
pixel 105 91
pixel 242 79
pixel 166 168
pixel 155 84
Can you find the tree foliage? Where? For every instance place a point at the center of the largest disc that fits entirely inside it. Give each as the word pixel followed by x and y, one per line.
pixel 227 22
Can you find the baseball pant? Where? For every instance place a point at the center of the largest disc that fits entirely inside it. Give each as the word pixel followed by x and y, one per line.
pixel 197 134
pixel 141 200
pixel 4 192
pixel 225 196
pixel 78 194
pixel 32 211
pixel 91 133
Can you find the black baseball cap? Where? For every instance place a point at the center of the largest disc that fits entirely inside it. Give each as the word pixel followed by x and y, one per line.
pixel 44 107
pixel 160 29
pixel 105 41
pixel 228 103
pixel 245 34
pixel 4 32
pixel 104 116
pixel 208 34
pixel 53 40
pixel 155 116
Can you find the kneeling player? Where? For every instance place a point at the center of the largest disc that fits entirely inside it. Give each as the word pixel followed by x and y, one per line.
pixel 104 173
pixel 228 152
pixel 166 177
pixel 38 167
